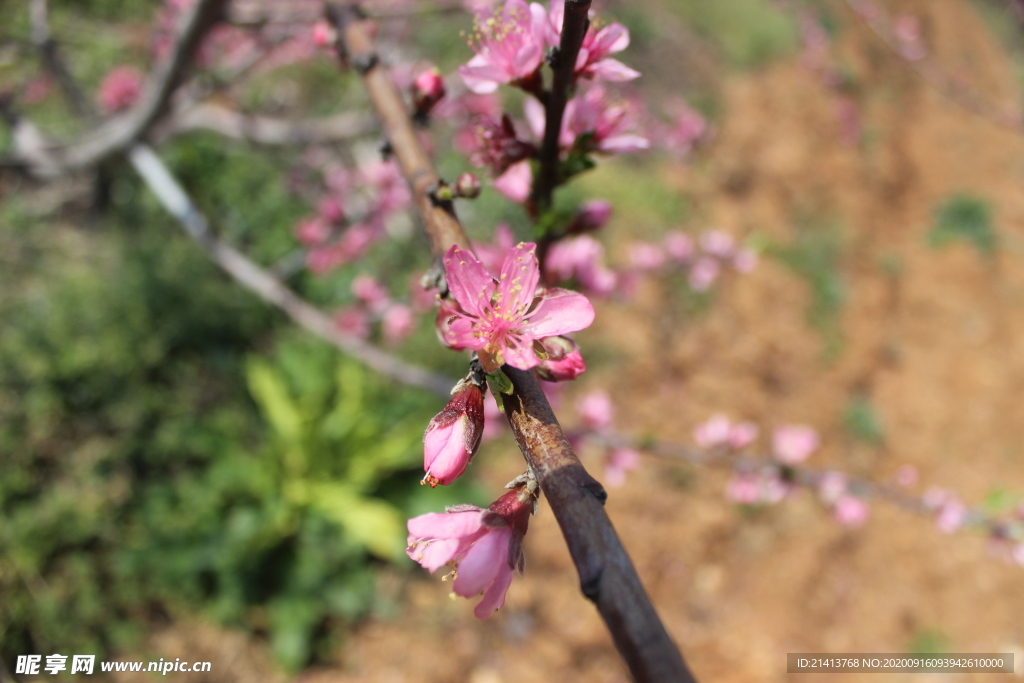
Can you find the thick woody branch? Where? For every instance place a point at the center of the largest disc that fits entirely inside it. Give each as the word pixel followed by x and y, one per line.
pixel 118 133
pixel 574 27
pixel 607 576
pixel 259 281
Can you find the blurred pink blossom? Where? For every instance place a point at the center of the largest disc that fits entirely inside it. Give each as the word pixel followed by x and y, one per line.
pixel 368 290
pixel 120 89
pixel 353 321
pixel 397 323
pixel 832 486
pixel 792 444
pixel 607 120
pixel 744 488
pixel 745 260
pixel 851 511
pixel 493 254
pixel 679 246
pixel 312 231
pixel 581 257
pixel 703 274
pixel 907 30
pixel 330 209
pixel 717 243
pixel 906 475
pixel 714 432
pixel 742 435
pixel 618 463
pixel 646 256
pixel 515 183
pixel 952 515
pixel 596 409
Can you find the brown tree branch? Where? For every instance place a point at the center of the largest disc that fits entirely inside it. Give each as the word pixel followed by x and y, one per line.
pixel 574 27
pixel 607 576
pixel 118 133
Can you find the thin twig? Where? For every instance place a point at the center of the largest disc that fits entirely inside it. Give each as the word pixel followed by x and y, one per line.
pixel 607 576
pixel 265 130
pixel 574 27
pixel 937 79
pixel 118 133
pixel 259 281
pixel 47 48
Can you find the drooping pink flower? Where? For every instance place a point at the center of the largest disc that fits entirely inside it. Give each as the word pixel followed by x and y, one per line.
pixel 120 89
pixel 484 545
pixel 618 463
pixel 792 444
pixel 564 361
pixel 851 511
pixel 596 409
pixel 397 323
pixel 501 319
pixel 453 436
pixel 599 42
pixel 509 46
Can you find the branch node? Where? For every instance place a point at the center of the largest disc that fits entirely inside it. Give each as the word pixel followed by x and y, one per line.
pixel 594 488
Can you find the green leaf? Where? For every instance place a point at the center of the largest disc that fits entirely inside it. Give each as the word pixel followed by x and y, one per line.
pixel 271 395
pixel 370 522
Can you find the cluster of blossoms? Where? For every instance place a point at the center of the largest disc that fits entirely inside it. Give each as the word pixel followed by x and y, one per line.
pixel 119 89
pixel 597 413
pixel 703 259
pixel 353 214
pixel 373 303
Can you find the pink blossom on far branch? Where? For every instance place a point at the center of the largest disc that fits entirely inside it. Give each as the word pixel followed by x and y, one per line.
pixel 486 546
pixel 501 319
pixel 509 46
pixel 120 89
pixel 792 444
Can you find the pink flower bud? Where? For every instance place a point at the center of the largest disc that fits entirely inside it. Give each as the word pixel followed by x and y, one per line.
pixel 453 436
pixel 427 90
pixel 793 444
pixel 596 409
pixel 324 34
pixel 467 186
pixel 564 361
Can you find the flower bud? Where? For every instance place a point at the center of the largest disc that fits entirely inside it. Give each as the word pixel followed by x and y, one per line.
pixel 564 361
pixel 467 186
pixel 427 90
pixel 324 34
pixel 453 436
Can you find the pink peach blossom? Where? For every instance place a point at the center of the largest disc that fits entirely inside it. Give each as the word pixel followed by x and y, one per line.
pixel 120 89
pixel 618 463
pixel 353 321
pixel 596 409
pixel 599 42
pixel 792 444
pixel 703 274
pixel 509 46
pixel 952 515
pixel 678 246
pixel 742 435
pixel 581 257
pixel 851 511
pixel 397 323
pixel 484 545
pixel 515 183
pixel 501 319
pixel 714 432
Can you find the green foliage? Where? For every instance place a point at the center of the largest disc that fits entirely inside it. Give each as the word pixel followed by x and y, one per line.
pixel 750 32
pixel 928 641
pixel 168 450
pixel 815 255
pixel 862 422
pixel 963 217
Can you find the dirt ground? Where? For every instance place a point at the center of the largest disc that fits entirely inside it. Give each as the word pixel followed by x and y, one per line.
pixel 928 338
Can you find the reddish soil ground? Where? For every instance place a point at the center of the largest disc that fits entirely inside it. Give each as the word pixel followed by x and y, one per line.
pixel 928 339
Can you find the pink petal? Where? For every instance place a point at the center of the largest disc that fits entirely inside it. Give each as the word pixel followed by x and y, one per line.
pixel 608 70
pixel 435 554
pixel 515 183
pixel 621 144
pixel 468 280
pixel 444 450
pixel 535 117
pixel 481 76
pixel 520 274
pixel 494 598
pixel 527 59
pixel 459 334
pixel 445 524
pixel 612 38
pixel 521 355
pixel 482 563
pixel 560 312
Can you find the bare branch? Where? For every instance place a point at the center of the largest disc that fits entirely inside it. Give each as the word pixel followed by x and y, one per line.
pixel 259 281
pixel 607 576
pixel 118 133
pixel 265 130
